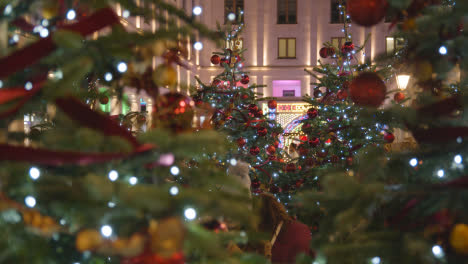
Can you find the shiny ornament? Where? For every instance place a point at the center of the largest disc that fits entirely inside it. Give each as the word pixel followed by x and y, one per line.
pixel 342 94
pixel 389 137
pixel 314 141
pixel 173 111
pixel 262 131
pixel 367 89
pixel 255 184
pixel 346 48
pixel 367 12
pixel 252 108
pixel 317 93
pixel 272 104
pixel 290 167
pixel 103 99
pixel 241 142
pixel 244 97
pixel 215 59
pixel 271 150
pixel 323 52
pixel 302 150
pixel 88 239
pixel 312 113
pixel 459 238
pixel 398 97
pixel 276 144
pixel 165 75
pixel 245 79
pixel 254 151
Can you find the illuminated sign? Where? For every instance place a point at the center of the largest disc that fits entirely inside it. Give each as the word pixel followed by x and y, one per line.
pixel 288 108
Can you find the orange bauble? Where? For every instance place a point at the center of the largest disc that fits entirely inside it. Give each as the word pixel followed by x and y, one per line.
pixel 367 89
pixel 367 12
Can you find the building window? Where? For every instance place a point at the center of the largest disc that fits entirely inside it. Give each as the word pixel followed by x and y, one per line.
pixel 286 48
pixel 235 7
pixel 337 15
pixel 338 42
pixel 392 44
pixel 287 11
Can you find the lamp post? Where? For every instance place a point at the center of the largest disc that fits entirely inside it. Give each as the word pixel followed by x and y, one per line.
pixel 402 81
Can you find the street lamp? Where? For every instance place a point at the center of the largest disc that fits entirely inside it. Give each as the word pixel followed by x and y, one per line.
pixel 402 81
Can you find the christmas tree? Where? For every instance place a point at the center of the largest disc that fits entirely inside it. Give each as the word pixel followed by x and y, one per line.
pixel 238 115
pixel 406 206
pixel 86 188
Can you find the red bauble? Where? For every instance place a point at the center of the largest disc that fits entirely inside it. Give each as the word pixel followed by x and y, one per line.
pixel 314 142
pixel 103 100
pixel 245 97
pixel 174 111
pixel 255 184
pixel 312 113
pixel 290 167
pixel 258 114
pixel 271 150
pixel 334 159
pixel 367 12
pixel 253 108
pixel 389 137
pixel 310 162
pixel 349 161
pixel 262 131
pixel 272 104
pixel 342 94
pixel 367 89
pixel 347 48
pixel 276 144
pixel 241 142
pixel 302 150
pixel 254 151
pixel 323 52
pixel 215 59
pixel 398 97
pixel 245 79
pixel 274 189
pixel 216 82
pixel 322 153
pixel 306 127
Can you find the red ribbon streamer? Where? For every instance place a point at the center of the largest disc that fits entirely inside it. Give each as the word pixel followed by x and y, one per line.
pixel 31 54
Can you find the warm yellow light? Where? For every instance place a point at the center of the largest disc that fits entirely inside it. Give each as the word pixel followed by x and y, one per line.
pixel 402 81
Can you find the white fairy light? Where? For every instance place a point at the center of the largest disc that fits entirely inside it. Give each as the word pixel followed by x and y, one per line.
pixel 190 213
pixel 375 260
pixel 413 162
pixel 28 86
pixel 126 13
pixel 45 22
pixel 8 9
pixel 108 76
pixel 106 230
pixel 443 50
pixel 30 201
pixel 231 16
pixel 175 170
pixel 458 159
pixel 133 180
pixel 437 251
pixel 111 204
pixel 34 173
pixel 233 162
pixel 174 190
pixel 71 14
pixel 198 45
pixel 197 10
pixel 122 67
pixel 440 173
pixel 113 175
pixel 44 33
